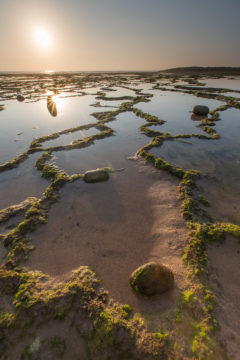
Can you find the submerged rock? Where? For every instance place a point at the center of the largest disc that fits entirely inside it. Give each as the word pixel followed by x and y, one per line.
pixel 200 110
pixel 20 98
pixel 95 175
pixel 151 279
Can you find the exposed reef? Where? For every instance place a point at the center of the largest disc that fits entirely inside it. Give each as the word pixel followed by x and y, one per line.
pixel 109 330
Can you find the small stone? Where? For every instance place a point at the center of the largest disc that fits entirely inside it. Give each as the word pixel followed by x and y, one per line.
pixel 95 175
pixel 20 98
pixel 200 110
pixel 151 279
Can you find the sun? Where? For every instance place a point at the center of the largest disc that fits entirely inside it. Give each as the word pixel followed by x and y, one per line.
pixel 43 38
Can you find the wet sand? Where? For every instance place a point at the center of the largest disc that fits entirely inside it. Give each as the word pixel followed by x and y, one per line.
pixel 70 345
pixel 114 227
pixel 223 199
pixel 3 253
pixel 224 260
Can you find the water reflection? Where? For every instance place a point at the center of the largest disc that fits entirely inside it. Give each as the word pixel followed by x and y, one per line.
pixel 195 117
pixel 51 105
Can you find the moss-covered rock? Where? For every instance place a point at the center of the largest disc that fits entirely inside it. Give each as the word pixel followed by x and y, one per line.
pixel 151 279
pixel 97 175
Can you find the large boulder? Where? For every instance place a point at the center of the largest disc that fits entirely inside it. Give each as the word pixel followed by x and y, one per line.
pixel 151 279
pixel 96 175
pixel 200 110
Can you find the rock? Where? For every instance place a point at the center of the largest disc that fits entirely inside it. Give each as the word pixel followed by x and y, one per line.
pixel 20 98
pixel 200 110
pixel 95 175
pixel 151 279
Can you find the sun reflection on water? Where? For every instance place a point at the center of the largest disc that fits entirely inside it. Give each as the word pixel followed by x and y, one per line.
pixel 59 101
pixel 55 103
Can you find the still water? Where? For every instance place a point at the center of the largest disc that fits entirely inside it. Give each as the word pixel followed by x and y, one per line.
pixel 21 122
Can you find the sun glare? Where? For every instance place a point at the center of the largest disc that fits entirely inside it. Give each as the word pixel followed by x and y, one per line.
pixel 43 38
pixel 58 100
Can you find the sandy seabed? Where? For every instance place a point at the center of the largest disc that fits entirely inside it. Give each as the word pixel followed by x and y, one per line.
pixel 114 227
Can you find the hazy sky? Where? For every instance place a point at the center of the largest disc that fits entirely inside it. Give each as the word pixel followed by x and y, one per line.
pixel 118 34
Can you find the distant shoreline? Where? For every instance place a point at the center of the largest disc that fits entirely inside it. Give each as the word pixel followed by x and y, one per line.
pixel 190 70
pixel 199 70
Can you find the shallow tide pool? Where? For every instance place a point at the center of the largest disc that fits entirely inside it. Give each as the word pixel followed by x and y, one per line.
pixel 22 122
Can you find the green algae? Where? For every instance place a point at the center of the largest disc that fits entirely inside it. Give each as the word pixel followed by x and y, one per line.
pixel 14 162
pixel 151 119
pixel 14 210
pixel 105 319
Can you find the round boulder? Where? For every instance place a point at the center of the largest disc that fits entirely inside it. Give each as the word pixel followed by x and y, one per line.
pixel 95 175
pixel 200 110
pixel 151 279
pixel 20 98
